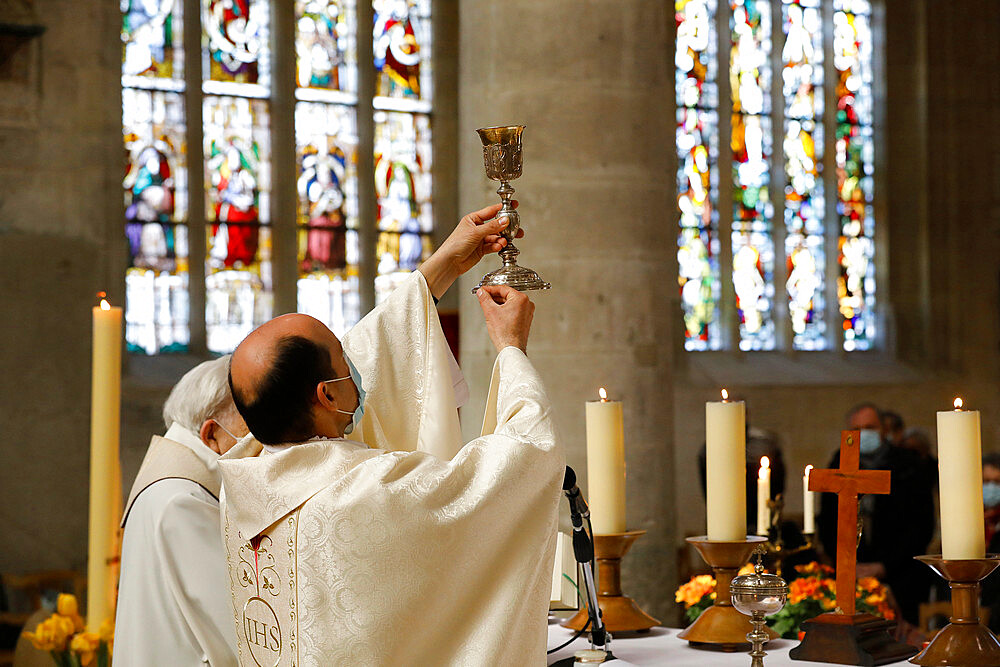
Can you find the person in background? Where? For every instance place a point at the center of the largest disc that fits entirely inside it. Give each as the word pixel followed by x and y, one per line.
pixel 991 512
pixel 919 441
pixel 896 526
pixel 173 596
pixel 892 426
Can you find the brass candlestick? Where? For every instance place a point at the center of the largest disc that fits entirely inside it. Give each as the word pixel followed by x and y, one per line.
pixel 620 612
pixel 502 158
pixel 777 548
pixel 965 641
pixel 721 627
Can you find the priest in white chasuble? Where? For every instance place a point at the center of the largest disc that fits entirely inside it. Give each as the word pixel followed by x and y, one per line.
pixel 407 548
pixel 174 605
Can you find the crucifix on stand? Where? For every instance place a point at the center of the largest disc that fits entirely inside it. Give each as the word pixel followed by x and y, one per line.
pixel 843 636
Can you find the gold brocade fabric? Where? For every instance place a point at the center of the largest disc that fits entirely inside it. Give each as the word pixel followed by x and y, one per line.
pixel 344 555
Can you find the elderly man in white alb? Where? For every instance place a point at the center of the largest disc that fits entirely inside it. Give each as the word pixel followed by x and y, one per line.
pixel 173 597
pixel 399 546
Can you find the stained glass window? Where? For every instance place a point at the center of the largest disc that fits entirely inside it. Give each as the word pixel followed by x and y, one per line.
pixel 237 104
pixel 325 53
pixel 151 42
pixel 155 186
pixel 403 191
pixel 326 141
pixel 402 46
pixel 697 178
pixel 402 49
pixel 855 153
pixel 236 41
pixel 802 87
pixel 753 247
pixel 237 192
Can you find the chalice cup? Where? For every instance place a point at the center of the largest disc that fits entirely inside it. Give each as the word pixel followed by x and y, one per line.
pixel 502 157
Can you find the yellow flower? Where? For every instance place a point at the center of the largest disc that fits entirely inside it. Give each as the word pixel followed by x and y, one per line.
pixel 85 645
pixel 51 634
pixel 67 606
pixel 107 633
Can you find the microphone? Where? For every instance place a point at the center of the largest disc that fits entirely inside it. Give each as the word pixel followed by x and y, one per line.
pixel 578 509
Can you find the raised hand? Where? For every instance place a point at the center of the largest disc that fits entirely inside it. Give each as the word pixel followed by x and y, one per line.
pixel 508 315
pixel 476 235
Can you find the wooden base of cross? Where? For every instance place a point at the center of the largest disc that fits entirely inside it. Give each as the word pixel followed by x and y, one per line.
pixel 844 637
pixel 858 639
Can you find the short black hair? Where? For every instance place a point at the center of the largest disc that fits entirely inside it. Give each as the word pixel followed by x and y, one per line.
pixel 280 409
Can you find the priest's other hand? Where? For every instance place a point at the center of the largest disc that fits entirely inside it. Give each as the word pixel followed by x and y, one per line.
pixel 476 235
pixel 508 315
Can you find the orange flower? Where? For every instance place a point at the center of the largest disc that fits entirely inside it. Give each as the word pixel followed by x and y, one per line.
pixel 693 591
pixel 802 588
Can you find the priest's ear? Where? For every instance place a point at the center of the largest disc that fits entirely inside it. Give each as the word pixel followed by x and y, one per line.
pixel 211 434
pixel 325 396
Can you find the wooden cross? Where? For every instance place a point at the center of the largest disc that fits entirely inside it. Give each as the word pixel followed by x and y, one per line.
pixel 847 483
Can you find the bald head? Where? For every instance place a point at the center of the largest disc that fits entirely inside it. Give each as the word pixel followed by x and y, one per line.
pixel 278 376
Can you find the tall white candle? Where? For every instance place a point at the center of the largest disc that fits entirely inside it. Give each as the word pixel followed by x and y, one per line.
pixel 606 465
pixel 960 478
pixel 726 469
pixel 808 505
pixel 105 483
pixel 763 495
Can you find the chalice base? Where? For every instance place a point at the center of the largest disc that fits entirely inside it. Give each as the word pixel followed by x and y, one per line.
pixel 519 277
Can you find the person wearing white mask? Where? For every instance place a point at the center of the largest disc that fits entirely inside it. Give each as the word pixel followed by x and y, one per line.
pixel 359 529
pixel 173 599
pixel 896 526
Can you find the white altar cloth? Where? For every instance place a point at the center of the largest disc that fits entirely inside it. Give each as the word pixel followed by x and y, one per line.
pixel 662 647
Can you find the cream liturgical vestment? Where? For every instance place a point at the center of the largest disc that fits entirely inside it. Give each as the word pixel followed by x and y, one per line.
pixel 174 605
pixel 342 553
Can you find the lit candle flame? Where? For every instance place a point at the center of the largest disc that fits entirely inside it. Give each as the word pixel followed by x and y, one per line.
pixel 958 403
pixel 765 464
pixel 725 395
pixel 604 394
pixel 808 468
pixel 105 305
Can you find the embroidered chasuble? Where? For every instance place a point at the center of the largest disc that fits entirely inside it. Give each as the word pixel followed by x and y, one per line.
pixel 343 554
pixel 173 598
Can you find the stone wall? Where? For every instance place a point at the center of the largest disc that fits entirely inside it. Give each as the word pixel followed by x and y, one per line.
pixel 60 169
pixel 589 80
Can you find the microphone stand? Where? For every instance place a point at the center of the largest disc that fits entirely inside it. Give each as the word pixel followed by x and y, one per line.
pixel 583 551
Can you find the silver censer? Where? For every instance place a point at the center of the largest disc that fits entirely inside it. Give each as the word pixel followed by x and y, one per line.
pixel 502 157
pixel 758 595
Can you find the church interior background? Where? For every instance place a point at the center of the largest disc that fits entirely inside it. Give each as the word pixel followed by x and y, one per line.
pixel 798 200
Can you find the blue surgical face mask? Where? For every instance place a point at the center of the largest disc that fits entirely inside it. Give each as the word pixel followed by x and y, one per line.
pixel 991 494
pixel 871 440
pixel 359 411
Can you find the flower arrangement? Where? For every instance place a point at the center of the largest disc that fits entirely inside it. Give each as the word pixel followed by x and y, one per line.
pixel 62 635
pixel 814 592
pixel 810 594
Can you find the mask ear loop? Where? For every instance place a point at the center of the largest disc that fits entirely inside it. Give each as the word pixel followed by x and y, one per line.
pixel 228 432
pixel 346 377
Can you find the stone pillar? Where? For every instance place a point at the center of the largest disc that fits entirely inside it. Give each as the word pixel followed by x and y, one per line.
pixel 591 81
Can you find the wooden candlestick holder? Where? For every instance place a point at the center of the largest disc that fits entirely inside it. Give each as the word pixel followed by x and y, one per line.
pixel 721 627
pixel 965 641
pixel 620 612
